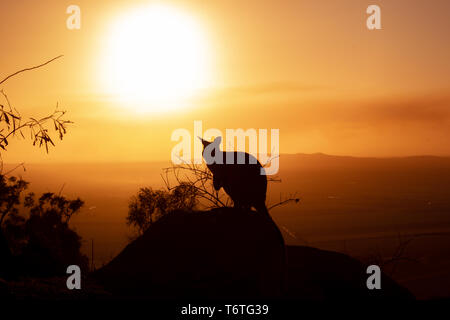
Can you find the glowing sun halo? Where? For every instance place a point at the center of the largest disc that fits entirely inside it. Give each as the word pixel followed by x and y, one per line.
pixel 156 58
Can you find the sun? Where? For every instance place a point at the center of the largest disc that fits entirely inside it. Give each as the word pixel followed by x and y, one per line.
pixel 156 58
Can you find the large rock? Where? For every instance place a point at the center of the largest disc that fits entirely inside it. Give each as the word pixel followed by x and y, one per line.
pixel 218 253
pixel 4 289
pixel 227 253
pixel 321 274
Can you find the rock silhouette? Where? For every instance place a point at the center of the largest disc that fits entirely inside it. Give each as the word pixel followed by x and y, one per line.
pixel 214 253
pixel 231 253
pixel 321 274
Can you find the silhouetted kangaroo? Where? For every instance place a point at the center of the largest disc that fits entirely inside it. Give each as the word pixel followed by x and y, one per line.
pixel 243 179
pixel 246 184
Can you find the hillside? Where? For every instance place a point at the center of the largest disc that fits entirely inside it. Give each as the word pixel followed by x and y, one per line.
pixel 226 253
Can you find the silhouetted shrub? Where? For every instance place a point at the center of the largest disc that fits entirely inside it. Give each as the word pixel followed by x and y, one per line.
pixel 41 240
pixel 51 245
pixel 10 191
pixel 149 205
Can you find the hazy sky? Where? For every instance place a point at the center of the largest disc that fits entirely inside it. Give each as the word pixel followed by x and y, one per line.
pixel 309 68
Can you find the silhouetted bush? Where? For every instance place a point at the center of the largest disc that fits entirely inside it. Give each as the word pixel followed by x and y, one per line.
pixel 40 238
pixel 10 191
pixel 51 245
pixel 149 205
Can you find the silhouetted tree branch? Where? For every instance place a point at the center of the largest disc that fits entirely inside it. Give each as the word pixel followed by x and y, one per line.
pixel 30 68
pixel 200 179
pixel 390 263
pixel 290 199
pixel 12 122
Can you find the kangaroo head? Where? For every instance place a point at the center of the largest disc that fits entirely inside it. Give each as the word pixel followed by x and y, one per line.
pixel 209 149
pixel 206 143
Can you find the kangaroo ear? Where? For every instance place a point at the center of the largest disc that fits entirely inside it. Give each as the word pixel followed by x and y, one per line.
pixel 218 140
pixel 204 142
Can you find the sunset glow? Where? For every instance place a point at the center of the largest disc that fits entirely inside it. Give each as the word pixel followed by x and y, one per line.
pixel 187 154
pixel 156 58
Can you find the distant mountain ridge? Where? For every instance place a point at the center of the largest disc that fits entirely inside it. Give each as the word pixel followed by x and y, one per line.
pixel 312 156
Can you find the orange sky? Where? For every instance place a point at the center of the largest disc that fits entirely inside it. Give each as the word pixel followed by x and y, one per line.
pixel 309 68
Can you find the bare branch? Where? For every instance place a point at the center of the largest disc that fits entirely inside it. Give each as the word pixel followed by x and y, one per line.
pixel 291 198
pixel 31 68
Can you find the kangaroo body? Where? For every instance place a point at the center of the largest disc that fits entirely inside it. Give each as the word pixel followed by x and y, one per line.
pixel 239 174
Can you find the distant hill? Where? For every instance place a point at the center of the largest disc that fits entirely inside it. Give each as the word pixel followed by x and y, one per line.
pixel 320 159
